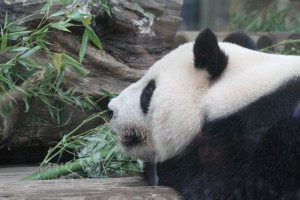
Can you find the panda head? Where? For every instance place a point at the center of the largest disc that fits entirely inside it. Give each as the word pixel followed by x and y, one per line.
pixel 158 116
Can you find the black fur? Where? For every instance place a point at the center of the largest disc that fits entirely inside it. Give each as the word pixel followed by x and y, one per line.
pixel 151 173
pixel 146 96
pixel 208 55
pixel 251 154
pixel 241 39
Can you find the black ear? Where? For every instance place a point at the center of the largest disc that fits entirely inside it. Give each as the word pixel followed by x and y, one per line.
pixel 241 39
pixel 208 54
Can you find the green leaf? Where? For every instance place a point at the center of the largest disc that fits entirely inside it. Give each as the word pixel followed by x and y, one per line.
pixel 16 35
pixel 93 37
pixel 30 52
pixel 5 21
pixel 26 63
pixel 87 20
pixel 83 45
pixel 74 64
pixel 21 90
pixel 10 84
pixel 57 61
pixel 107 93
pixel 7 65
pixel 42 30
pixel 105 7
pixel 19 49
pixel 13 28
pixel 111 152
pixel 60 78
pixel 47 6
pixel 64 1
pixel 64 139
pixel 59 13
pixel 24 97
pixel 4 41
pixel 61 25
pixel 40 34
pixel 77 16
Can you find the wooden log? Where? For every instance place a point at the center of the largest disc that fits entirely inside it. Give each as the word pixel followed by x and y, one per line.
pixel 106 188
pixel 139 33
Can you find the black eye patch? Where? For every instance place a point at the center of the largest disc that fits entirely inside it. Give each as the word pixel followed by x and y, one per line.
pixel 146 96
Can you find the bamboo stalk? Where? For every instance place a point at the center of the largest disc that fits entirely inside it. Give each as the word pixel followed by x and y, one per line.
pixel 56 172
pixel 68 168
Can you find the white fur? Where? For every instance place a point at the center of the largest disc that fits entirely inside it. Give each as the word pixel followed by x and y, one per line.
pixel 250 75
pixel 184 94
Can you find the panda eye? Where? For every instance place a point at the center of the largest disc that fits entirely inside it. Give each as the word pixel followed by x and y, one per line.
pixel 146 96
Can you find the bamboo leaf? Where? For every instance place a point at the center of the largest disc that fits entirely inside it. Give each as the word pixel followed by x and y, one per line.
pixel 60 78
pixel 5 21
pixel 59 13
pixel 74 64
pixel 24 97
pixel 108 94
pixel 4 41
pixel 47 6
pixel 41 31
pixel 16 35
pixel 93 37
pixel 87 20
pixel 30 52
pixel 26 63
pixel 77 16
pixel 64 1
pixel 21 90
pixel 10 84
pixel 105 7
pixel 57 61
pixel 64 139
pixel 7 65
pixel 61 25
pixel 83 46
pixel 13 28
pixel 19 49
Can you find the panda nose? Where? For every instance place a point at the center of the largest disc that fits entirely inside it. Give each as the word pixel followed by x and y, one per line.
pixel 110 113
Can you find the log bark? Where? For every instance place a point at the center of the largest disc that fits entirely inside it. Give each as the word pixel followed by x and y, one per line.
pixel 138 33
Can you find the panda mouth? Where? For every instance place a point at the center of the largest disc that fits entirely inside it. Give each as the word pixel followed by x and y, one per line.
pixel 130 137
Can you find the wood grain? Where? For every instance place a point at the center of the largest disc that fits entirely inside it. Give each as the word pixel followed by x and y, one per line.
pixel 11 187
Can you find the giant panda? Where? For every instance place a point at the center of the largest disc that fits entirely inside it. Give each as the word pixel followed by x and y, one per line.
pixel 215 120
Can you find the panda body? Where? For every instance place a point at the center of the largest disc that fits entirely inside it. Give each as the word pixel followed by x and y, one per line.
pixel 215 120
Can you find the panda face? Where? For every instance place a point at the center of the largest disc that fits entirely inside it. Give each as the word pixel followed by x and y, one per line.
pixel 158 116
pixel 155 117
